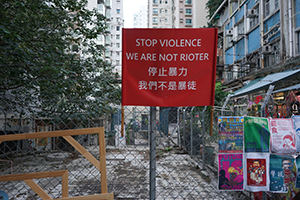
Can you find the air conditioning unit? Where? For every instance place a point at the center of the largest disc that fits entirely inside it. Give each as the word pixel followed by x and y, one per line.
pixel 275 48
pixel 250 13
pixel 254 12
pixel 267 49
pixel 246 60
pixel 266 41
pixel 229 32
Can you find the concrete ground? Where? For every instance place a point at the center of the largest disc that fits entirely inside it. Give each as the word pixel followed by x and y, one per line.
pixel 178 176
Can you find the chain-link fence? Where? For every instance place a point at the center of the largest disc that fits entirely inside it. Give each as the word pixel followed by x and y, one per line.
pixel 184 141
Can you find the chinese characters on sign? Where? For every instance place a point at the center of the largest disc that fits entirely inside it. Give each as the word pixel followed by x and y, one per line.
pixel 282 136
pixel 168 67
pixel 167 85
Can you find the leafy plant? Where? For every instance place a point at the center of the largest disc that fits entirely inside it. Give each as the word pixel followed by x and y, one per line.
pixel 42 71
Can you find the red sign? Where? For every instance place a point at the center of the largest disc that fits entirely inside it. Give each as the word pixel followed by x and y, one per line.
pixel 169 67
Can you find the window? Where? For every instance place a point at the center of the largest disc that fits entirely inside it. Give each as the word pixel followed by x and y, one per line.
pixel 166 20
pixel 228 40
pixel 118 1
pixel 155 11
pixel 267 8
pixel 155 20
pixel 117 62
pixel 118 45
pixel 181 20
pixel 253 22
pixel 276 4
pixel 188 21
pixel 240 28
pixel 155 1
pixel 188 11
pixel 188 2
pixel 118 28
pixel 166 10
pixel 298 42
pixel 181 10
pixel 166 2
pixel 270 6
pixel 118 11
pixel 117 36
pixel 234 6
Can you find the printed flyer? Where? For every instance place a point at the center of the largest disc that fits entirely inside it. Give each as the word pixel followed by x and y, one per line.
pixel 231 172
pixel 296 121
pixel 256 134
pixel 281 173
pixel 282 136
pixel 256 167
pixel 298 172
pixel 231 131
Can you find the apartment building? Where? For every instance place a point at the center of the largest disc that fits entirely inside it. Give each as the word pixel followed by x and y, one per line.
pixel 140 18
pixel 116 25
pixel 177 13
pixel 258 46
pixel 113 10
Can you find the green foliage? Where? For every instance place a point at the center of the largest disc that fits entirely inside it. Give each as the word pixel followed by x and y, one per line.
pixel 212 6
pixel 220 95
pixel 39 70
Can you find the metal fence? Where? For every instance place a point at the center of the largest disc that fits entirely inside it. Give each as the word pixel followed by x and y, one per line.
pixel 163 153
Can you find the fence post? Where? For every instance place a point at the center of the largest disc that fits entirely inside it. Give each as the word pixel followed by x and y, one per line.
pixel 152 152
pixel 225 103
pixel 203 137
pixel 184 132
pixel 191 132
pixel 178 127
pixel 262 111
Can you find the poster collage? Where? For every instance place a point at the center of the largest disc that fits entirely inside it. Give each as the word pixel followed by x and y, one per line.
pixel 259 154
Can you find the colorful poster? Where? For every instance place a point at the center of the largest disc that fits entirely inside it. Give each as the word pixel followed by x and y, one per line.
pixel 282 136
pixel 231 172
pixel 168 67
pixel 296 120
pixel 231 131
pixel 289 177
pixel 256 134
pixel 298 172
pixel 281 173
pixel 256 167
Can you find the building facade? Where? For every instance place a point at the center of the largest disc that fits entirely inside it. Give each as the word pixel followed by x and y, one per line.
pixel 112 42
pixel 140 18
pixel 177 13
pixel 256 38
pixel 116 25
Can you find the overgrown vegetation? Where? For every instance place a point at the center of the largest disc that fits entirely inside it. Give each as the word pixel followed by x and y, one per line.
pixel 50 59
pixel 212 6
